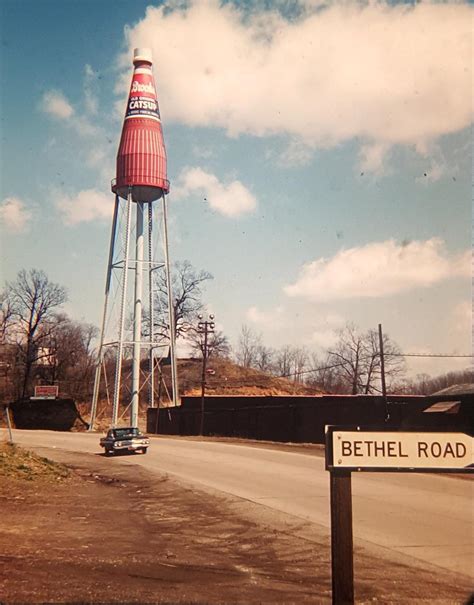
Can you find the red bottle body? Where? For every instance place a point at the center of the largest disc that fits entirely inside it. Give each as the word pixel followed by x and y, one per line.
pixel 141 157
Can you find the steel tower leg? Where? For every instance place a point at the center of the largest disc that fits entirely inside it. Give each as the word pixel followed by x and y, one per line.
pixel 100 356
pixel 95 393
pixel 151 397
pixel 137 315
pixel 118 364
pixel 174 372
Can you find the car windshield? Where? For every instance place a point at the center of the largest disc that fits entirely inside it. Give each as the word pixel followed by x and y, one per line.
pixel 128 432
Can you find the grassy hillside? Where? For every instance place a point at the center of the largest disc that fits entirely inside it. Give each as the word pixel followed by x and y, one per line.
pixel 224 378
pixel 227 378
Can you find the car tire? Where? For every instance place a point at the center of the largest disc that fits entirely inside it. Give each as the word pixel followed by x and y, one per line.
pixel 108 452
pixel 143 450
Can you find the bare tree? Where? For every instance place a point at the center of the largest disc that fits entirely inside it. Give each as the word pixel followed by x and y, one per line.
pixel 218 344
pixel 68 356
pixel 348 356
pixel 284 359
pixel 6 316
pixel 394 364
pixel 264 359
pixel 187 285
pixel 424 384
pixel 247 347
pixel 33 300
pixel 300 361
pixel 323 375
pixel 8 352
pixel 291 362
pixel 357 363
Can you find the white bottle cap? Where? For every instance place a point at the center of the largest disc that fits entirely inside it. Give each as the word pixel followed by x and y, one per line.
pixel 142 54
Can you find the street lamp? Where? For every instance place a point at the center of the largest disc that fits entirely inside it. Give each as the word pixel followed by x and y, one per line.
pixel 204 327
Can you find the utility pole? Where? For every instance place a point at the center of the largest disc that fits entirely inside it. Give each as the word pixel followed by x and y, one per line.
pixel 382 371
pixel 205 328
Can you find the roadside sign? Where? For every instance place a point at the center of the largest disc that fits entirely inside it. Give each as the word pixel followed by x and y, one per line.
pixel 46 391
pixel 376 450
pixel 358 449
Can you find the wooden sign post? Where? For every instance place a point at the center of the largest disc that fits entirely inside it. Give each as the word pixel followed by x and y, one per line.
pixel 6 413
pixel 375 450
pixel 341 538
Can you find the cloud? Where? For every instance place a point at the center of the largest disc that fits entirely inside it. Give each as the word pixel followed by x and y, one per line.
pixel 387 74
pixel 378 269
pixel 462 316
pixel 85 128
pixel 324 338
pixel 90 84
pixel 14 215
pixel 298 153
pixel 85 206
pixel 231 200
pixel 437 165
pixel 85 132
pixel 324 333
pixel 266 319
pixel 372 157
pixel 203 153
pixel 96 156
pixel 55 104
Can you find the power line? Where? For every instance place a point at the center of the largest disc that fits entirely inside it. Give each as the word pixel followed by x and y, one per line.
pixel 335 365
pixel 426 355
pixel 338 365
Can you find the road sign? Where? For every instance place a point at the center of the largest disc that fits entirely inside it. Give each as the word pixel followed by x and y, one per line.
pixel 46 391
pixel 361 449
pixel 357 449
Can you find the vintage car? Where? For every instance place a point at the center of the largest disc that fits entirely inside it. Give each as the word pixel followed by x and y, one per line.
pixel 124 439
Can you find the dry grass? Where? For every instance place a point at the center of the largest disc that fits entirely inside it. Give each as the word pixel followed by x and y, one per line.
pixel 17 463
pixel 226 379
pixel 230 379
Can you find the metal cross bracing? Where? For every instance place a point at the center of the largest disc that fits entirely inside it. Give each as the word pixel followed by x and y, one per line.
pixel 131 309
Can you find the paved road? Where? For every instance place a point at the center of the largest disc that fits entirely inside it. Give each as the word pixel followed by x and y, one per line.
pixel 429 517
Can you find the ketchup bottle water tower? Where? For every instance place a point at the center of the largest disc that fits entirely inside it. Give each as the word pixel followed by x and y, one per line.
pixel 139 187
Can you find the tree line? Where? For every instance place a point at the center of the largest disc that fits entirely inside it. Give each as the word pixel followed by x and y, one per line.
pixel 39 343
pixel 352 365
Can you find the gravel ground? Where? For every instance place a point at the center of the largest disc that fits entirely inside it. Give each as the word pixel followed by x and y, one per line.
pixel 104 533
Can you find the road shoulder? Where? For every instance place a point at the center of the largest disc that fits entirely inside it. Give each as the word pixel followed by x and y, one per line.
pixel 116 531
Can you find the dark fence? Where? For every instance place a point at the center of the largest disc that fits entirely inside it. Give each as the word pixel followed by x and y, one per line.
pixel 303 419
pixel 50 414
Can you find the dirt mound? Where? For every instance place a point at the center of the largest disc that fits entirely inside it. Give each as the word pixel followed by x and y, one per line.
pixel 227 378
pixel 223 378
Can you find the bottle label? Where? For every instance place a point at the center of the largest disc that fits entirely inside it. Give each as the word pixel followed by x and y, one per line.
pixel 142 98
